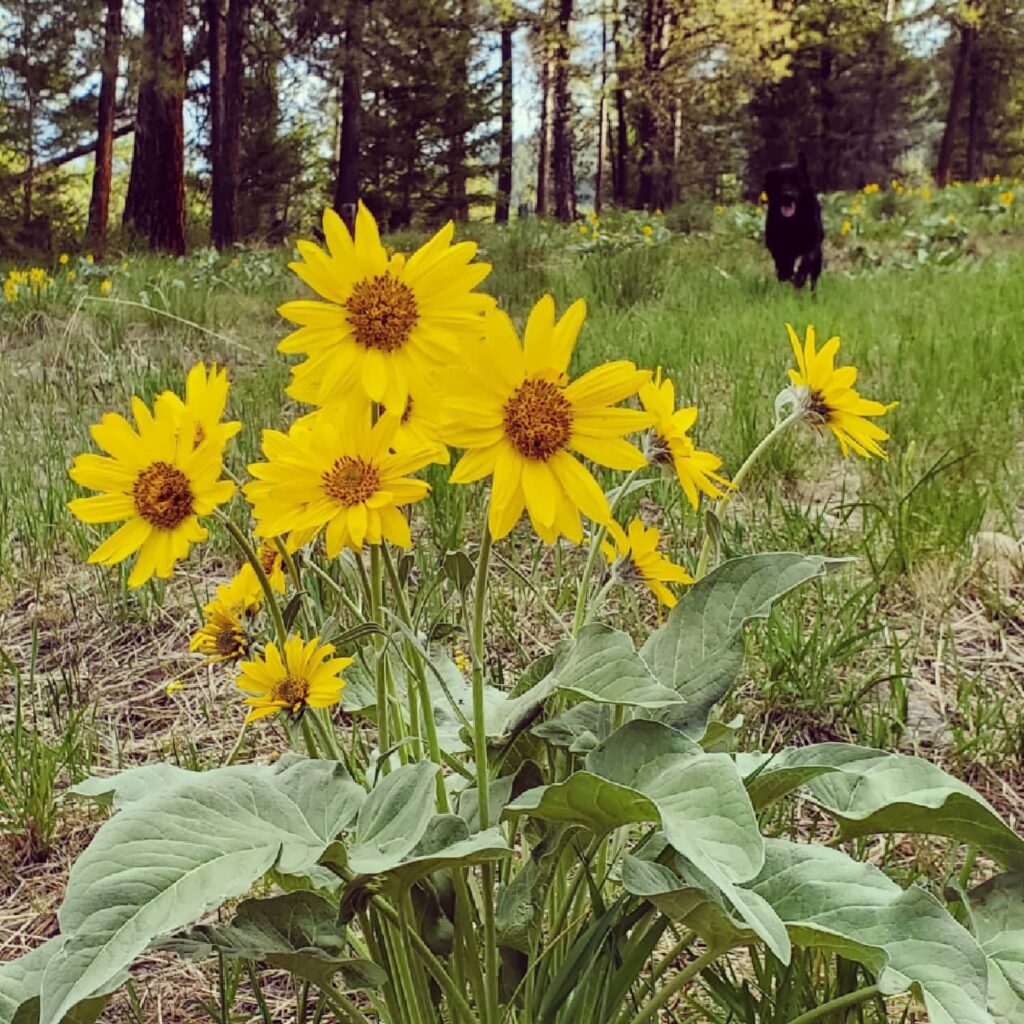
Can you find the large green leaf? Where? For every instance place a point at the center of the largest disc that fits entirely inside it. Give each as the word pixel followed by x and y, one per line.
pixel 829 901
pixel 699 650
pixel 579 729
pixel 900 793
pixel 159 863
pixel 586 799
pixel 604 666
pixel 393 819
pixel 133 784
pixel 297 932
pixel 997 916
pixel 905 937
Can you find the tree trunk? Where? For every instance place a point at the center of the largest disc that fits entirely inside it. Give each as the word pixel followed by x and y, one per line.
pixel 620 174
pixel 166 188
pixel 99 202
pixel 544 135
pixel 602 136
pixel 561 156
pixel 135 218
pixel 216 48
pixel 974 120
pixel 944 166
pixel 647 118
pixel 826 135
pixel 29 180
pixel 346 182
pixel 231 143
pixel 504 197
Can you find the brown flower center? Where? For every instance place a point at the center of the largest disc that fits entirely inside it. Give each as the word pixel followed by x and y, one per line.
pixel 351 481
pixel 229 641
pixel 538 419
pixel 268 556
pixel 163 496
pixel 382 311
pixel 290 691
pixel 818 411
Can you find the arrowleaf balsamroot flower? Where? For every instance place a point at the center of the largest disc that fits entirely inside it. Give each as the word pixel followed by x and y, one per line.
pixel 387 322
pixel 670 442
pixel 223 635
pixel 826 394
pixel 303 675
pixel 520 418
pixel 635 557
pixel 202 411
pixel 335 470
pixel 156 480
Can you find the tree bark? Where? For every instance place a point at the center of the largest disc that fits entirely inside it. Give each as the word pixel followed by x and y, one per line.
pixel 620 175
pixel 944 166
pixel 346 181
pixel 231 143
pixel 216 47
pixel 504 195
pixel 602 136
pixel 99 202
pixel 975 126
pixel 544 134
pixel 136 216
pixel 561 156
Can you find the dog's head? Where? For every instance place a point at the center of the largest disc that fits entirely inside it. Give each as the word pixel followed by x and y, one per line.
pixel 786 185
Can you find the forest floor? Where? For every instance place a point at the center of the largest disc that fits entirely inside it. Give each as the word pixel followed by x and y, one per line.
pixel 919 647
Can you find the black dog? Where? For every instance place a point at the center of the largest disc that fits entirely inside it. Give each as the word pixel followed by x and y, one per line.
pixel 793 231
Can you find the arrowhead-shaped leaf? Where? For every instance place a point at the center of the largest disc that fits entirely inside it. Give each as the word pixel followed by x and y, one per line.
pixel 162 860
pixel 699 650
pixel 297 932
pixel 997 916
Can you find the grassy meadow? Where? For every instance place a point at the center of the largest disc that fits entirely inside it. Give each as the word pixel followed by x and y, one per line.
pixel 918 646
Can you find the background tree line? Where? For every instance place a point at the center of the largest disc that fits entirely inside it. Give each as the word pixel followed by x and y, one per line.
pixel 171 119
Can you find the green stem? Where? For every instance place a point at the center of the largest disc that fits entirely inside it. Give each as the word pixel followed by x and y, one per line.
pixel 383 712
pixel 649 1011
pixel 343 1006
pixel 253 559
pixel 483 778
pixel 846 1002
pixel 741 474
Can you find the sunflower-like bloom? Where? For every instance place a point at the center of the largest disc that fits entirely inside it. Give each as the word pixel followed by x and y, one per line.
pixel 273 565
pixel 155 480
pixel 306 676
pixel 387 323
pixel 828 398
pixel 670 443
pixel 635 558
pixel 515 411
pixel 335 470
pixel 223 635
pixel 202 411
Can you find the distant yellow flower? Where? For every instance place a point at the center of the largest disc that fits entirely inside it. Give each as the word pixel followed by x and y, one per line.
pixel 38 278
pixel 199 415
pixel 89 258
pixel 584 230
pixel 872 189
pixel 763 197
pixel 71 275
pixel 105 285
pixel 306 676
pixel 62 259
pixel 635 558
pixel 670 443
pixel 594 217
pixel 829 400
pixel 951 219
pixel 124 266
pixel 10 290
pixel 647 230
pixel 719 210
pixel 174 686
pixel 997 179
pixel 387 323
pixel 157 484
pixel 519 417
pixel 896 185
pixel 462 661
pixel 1007 198
pixel 845 229
pixel 336 471
pixel 223 636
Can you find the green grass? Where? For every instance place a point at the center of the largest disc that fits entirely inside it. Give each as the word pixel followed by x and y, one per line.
pixel 930 315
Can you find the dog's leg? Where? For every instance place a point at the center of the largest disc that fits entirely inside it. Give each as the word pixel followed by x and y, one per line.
pixel 815 261
pixel 783 266
pixel 801 273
